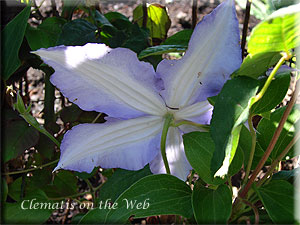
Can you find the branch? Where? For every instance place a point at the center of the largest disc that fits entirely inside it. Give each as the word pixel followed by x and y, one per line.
pixel 273 141
pixel 245 27
pixel 194 14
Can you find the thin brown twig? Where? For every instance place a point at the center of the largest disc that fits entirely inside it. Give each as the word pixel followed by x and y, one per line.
pixel 194 14
pixel 67 210
pixel 145 14
pixel 92 190
pixel 279 158
pixel 244 218
pixel 255 210
pixel 98 7
pixel 92 15
pixel 54 9
pixel 31 169
pixel 245 27
pixel 272 142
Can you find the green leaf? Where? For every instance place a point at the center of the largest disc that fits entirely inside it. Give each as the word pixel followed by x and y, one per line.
pixel 180 38
pixel 78 32
pixel 266 115
pixel 212 100
pixel 288 175
pixel 35 183
pixel 274 94
pixel 259 152
pixel 277 198
pixel 45 146
pixel 40 179
pixel 84 175
pixel 161 49
pixel 102 20
pixel 152 195
pixel 245 145
pixel 277 4
pixel 64 184
pixel 70 114
pixel 256 65
pixel 158 21
pixel 18 136
pixel 266 129
pixel 14 189
pixel 46 34
pixel 73 114
pixel 199 148
pixel 36 208
pixel 115 16
pixel 118 20
pixel 211 206
pixel 12 37
pixel 279 32
pixel 230 112
pixel 4 190
pixel 104 24
pixel 120 181
pixel 154 60
pixel 108 173
pixel 137 39
pixel 76 219
pixel 237 162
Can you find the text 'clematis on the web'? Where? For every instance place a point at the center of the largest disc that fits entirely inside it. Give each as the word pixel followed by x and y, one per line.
pixel 148 110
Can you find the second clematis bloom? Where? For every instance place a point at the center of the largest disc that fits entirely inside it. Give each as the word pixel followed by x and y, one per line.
pixel 143 103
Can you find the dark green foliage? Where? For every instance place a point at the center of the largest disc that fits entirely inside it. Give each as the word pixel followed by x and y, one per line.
pixel 231 110
pixel 10 46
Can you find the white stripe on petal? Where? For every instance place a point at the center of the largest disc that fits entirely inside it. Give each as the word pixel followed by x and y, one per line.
pixel 177 160
pixel 119 78
pixel 128 144
pixel 194 110
pixel 213 54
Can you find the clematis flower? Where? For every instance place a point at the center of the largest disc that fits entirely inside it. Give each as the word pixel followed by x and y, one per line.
pixel 143 103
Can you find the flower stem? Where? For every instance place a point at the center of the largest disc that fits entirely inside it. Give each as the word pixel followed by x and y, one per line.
pixel 97 117
pixel 187 122
pixel 285 56
pixel 25 113
pixel 167 124
pixel 92 190
pixel 32 169
pixel 253 144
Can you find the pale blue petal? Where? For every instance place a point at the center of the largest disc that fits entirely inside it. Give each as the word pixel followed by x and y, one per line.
pixel 178 163
pixel 98 78
pixel 128 144
pixel 213 54
pixel 200 112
